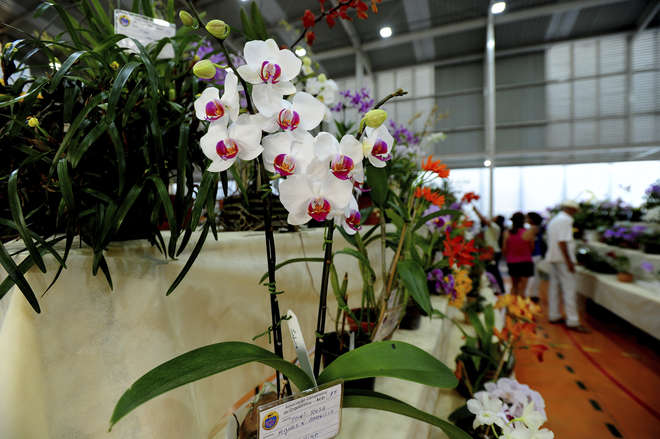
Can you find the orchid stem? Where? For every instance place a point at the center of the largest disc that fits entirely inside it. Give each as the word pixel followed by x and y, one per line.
pixel 268 225
pixel 320 320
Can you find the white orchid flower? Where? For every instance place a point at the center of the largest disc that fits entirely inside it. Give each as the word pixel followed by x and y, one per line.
pixel 210 106
pixel 288 155
pixel 532 417
pixel 326 90
pixel 487 410
pixel 303 113
pixel 350 217
pixel 377 145
pixel 223 145
pixel 270 71
pixel 344 158
pixel 307 196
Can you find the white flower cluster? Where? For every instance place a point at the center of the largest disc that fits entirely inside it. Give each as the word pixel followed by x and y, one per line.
pixel 515 408
pixel 320 171
pixel 653 215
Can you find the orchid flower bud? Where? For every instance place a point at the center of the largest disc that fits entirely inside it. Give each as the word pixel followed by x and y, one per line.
pixel 186 18
pixel 322 77
pixel 375 118
pixel 114 65
pixel 204 69
pixel 307 61
pixel 218 29
pixel 32 122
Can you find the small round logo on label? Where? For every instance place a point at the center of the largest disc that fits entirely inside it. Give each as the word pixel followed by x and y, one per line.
pixel 270 421
pixel 124 20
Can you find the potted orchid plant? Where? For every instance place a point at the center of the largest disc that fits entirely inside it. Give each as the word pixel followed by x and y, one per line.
pixel 314 176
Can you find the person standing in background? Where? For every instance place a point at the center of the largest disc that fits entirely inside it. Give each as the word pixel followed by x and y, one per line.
pixel 561 258
pixel 536 222
pixel 517 250
pixel 492 238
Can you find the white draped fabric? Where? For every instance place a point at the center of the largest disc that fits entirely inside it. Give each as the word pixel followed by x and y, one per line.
pixel 62 371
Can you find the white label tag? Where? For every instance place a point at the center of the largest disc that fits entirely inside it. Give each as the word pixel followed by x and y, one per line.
pixel 144 29
pixel 299 345
pixel 314 416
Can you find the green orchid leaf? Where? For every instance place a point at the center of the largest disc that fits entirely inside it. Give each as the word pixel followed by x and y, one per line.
pixel 377 179
pixel 394 359
pixel 19 219
pixel 201 363
pixel 413 277
pixel 16 274
pixel 366 399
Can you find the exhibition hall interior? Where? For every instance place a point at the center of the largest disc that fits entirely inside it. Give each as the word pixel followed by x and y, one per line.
pixel 309 219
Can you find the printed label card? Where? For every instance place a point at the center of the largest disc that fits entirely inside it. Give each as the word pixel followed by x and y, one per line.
pixel 143 29
pixel 313 414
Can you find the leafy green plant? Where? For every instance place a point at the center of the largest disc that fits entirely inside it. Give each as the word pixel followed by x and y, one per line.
pixel 91 145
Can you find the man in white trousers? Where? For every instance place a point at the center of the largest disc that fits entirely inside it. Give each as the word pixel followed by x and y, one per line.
pixel 561 259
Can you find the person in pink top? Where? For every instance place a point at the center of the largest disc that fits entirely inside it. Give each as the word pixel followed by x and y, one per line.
pixel 518 244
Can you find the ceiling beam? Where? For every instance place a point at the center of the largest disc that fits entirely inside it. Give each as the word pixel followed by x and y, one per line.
pixel 467 25
pixel 418 16
pixel 354 37
pixel 647 15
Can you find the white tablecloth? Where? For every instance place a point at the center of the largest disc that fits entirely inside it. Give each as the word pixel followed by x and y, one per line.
pixel 638 302
pixel 62 371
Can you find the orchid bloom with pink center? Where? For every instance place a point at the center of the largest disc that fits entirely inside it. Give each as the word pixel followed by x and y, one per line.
pixel 224 144
pixel 344 158
pixel 287 155
pixel 270 71
pixel 302 114
pixel 210 106
pixel 377 145
pixel 350 219
pixel 308 196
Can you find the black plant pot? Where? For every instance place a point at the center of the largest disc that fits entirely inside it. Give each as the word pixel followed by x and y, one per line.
pixel 413 316
pixel 332 348
pixel 652 248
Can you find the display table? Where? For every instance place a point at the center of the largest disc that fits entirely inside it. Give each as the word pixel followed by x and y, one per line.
pixel 637 257
pixel 62 371
pixel 637 302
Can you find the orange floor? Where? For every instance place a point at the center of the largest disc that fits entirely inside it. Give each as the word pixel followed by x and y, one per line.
pixel 605 384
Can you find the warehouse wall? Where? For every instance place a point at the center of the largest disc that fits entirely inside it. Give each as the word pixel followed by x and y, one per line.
pixel 565 103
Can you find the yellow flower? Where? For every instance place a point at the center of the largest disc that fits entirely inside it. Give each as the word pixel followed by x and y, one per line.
pixel 32 122
pixel 114 65
pixel 204 69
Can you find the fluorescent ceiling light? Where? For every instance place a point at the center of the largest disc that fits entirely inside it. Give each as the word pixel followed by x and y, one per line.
pixel 498 7
pixel 385 32
pixel 300 51
pixel 487 163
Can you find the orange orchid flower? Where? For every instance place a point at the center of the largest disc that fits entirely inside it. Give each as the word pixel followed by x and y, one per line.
pixel 430 196
pixel 436 166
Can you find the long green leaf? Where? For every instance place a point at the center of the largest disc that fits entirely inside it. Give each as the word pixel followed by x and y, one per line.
pixel 358 398
pixel 377 179
pixel 102 17
pixel 66 65
pixel 119 154
pixel 414 279
pixel 356 254
pixel 65 184
pixel 165 200
pixel 76 153
pixel 19 219
pixel 147 8
pixel 126 205
pixel 16 275
pixel 117 87
pixel 89 106
pixel 201 363
pixel 394 359
pixel 191 259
